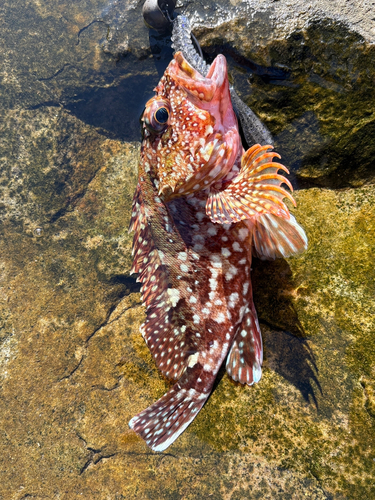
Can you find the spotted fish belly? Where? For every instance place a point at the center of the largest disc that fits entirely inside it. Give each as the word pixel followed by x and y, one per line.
pixel 198 297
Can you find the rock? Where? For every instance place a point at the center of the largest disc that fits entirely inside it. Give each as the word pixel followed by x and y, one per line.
pixel 312 86
pixel 73 367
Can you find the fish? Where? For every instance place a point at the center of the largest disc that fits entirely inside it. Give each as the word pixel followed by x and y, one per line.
pixel 203 207
pixel 254 131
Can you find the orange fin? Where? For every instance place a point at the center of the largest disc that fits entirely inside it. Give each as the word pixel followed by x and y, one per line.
pixel 277 237
pixel 255 191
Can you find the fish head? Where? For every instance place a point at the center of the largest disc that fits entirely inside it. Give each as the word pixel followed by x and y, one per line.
pixel 191 133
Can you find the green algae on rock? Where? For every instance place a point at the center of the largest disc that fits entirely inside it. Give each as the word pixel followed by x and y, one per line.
pixel 319 106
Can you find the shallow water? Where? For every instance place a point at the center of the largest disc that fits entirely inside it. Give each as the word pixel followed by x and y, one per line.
pixel 74 368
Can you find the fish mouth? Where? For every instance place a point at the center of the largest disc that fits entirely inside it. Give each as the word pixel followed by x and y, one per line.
pixel 205 88
pixel 215 145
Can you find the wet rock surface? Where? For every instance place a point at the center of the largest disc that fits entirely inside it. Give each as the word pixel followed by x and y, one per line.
pixel 73 367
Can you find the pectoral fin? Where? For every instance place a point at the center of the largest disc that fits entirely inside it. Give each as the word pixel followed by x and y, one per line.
pixel 277 237
pixel 255 191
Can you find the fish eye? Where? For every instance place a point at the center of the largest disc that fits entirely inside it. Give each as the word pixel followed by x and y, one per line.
pixel 161 115
pixel 156 115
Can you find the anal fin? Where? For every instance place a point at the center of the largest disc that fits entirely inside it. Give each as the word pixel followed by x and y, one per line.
pixel 246 355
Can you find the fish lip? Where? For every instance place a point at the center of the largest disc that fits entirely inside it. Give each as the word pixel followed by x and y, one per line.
pixel 218 71
pixel 203 87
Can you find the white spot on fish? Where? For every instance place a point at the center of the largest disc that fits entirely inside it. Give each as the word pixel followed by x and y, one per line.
pixel 182 255
pixel 236 247
pixel 233 299
pixel 212 230
pixel 174 296
pixel 231 272
pixel 243 233
pixel 193 359
pixel 213 283
pixel 225 252
pixel 220 318
pixel 198 238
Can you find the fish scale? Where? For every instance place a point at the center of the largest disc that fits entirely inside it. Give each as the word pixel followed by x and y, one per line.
pixel 202 208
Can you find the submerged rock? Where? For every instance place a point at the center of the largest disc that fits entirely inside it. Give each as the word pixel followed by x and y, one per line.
pixel 73 367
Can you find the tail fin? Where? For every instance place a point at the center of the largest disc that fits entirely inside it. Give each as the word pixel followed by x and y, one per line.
pixel 162 422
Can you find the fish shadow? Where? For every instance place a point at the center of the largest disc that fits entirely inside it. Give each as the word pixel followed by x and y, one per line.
pixel 286 347
pixel 292 358
pixel 275 293
pixel 115 111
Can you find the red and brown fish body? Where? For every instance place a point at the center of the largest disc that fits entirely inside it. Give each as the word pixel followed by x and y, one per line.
pixel 201 209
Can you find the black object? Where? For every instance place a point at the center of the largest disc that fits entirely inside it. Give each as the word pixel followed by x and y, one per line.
pixel 158 14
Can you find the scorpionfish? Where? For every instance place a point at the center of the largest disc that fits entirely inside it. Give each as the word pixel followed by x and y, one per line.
pixel 202 208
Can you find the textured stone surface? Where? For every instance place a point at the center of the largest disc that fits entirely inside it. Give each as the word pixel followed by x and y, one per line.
pixel 73 366
pixel 313 88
